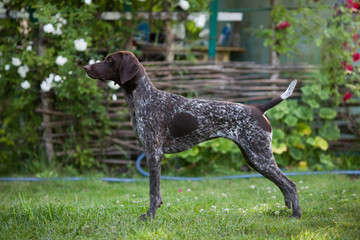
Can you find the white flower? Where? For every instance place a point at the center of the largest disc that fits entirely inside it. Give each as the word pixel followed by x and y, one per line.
pixel 112 85
pixel 92 61
pixel 114 97
pixel 227 210
pixel 7 67
pixel 70 72
pixel 29 48
pixel 200 20
pixel 184 5
pixel 168 204
pixel 273 197
pixel 23 70
pixel 57 78
pixel 224 195
pixel 50 78
pixel 189 190
pixel 25 84
pixel 80 44
pixel 15 61
pixel 201 210
pixel 242 210
pixel 49 28
pixel 88 2
pixel 252 187
pixel 117 201
pixel 58 29
pixel 277 213
pixel 60 19
pixel 47 84
pixel 60 60
pixel 213 207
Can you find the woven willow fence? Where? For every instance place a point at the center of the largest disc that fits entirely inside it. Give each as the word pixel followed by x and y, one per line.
pixel 243 82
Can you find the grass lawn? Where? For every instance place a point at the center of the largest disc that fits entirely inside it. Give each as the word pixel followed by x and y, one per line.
pixel 216 209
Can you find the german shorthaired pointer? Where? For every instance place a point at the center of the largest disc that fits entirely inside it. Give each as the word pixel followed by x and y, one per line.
pixel 169 123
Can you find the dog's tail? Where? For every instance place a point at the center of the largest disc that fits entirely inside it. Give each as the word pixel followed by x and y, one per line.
pixel 266 106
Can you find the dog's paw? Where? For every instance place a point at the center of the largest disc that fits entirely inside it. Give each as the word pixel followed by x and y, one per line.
pixel 296 215
pixel 144 217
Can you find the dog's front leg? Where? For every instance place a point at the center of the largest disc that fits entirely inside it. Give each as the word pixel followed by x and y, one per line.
pixel 154 165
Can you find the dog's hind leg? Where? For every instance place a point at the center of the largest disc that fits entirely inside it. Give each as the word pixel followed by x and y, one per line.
pixel 262 160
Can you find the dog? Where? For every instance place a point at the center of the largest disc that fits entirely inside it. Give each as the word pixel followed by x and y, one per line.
pixel 168 123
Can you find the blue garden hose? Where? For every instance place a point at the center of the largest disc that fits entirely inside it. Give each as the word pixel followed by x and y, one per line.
pixel 146 174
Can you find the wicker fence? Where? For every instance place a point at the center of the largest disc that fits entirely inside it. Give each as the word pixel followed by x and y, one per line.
pixel 234 81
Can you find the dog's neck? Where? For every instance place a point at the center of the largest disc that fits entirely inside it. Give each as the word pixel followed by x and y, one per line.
pixel 140 88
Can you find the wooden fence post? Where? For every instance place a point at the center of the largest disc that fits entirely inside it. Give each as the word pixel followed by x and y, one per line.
pixel 169 36
pixel 47 135
pixel 46 104
pixel 275 58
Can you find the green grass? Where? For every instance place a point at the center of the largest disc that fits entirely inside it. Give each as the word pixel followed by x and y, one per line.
pixel 219 209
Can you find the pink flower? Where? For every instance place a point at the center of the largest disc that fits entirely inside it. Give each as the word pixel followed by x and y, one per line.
pixel 347 96
pixel 179 190
pixel 283 25
pixel 356 56
pixel 355 7
pixel 349 69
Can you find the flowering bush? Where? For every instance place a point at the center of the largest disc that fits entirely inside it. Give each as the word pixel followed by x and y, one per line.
pixel 45 55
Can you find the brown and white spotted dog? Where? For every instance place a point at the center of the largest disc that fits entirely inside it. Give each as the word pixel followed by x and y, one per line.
pixel 169 123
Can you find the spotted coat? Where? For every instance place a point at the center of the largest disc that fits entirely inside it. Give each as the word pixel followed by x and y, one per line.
pixel 168 123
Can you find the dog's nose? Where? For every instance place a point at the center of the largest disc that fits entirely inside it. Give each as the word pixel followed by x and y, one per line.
pixel 87 68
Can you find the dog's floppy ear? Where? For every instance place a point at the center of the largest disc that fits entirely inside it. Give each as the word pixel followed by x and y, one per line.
pixel 129 67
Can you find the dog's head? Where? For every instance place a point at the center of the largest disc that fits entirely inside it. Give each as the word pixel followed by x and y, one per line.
pixel 120 67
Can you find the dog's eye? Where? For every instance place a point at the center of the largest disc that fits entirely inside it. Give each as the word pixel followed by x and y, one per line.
pixel 108 60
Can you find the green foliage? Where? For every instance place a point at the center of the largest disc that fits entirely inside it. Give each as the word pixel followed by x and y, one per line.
pixel 42 48
pixel 75 94
pixel 218 156
pixel 303 129
pixel 296 141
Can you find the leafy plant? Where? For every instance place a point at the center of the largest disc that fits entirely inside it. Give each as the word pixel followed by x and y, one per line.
pixel 218 156
pixel 303 129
